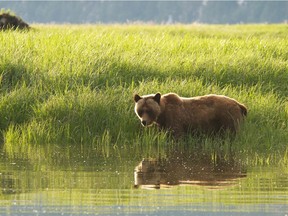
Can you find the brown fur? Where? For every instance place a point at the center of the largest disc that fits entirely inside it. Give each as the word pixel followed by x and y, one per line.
pixel 206 114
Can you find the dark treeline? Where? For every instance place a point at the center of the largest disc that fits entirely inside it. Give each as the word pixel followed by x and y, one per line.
pixel 221 12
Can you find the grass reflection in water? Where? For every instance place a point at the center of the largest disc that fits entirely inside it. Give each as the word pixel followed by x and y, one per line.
pixel 83 180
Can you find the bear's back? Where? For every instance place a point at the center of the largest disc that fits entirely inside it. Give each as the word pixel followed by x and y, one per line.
pixel 172 98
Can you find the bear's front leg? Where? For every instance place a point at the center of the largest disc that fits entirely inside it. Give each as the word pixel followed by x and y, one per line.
pixel 177 131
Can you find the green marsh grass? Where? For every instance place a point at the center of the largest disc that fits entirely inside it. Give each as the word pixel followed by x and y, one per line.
pixel 73 85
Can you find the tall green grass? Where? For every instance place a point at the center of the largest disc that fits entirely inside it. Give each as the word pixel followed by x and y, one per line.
pixel 71 84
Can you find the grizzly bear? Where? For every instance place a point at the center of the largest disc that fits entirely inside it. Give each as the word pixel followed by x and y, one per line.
pixel 207 114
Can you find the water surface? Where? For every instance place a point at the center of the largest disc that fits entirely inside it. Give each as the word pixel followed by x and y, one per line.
pixel 72 181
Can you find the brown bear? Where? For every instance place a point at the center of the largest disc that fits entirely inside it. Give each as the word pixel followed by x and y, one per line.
pixel 207 114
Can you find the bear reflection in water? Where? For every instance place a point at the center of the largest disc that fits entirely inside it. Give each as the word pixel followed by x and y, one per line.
pixel 212 171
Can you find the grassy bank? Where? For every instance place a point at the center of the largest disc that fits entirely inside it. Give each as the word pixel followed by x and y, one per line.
pixel 74 84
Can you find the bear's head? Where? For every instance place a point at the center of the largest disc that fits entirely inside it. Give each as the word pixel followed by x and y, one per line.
pixel 147 108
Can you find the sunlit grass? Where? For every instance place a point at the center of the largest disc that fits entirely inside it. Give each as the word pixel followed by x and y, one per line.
pixel 74 84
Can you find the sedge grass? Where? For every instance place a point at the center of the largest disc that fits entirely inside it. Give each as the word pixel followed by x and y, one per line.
pixel 74 84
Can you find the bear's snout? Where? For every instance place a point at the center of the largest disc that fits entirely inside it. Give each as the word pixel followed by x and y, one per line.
pixel 144 123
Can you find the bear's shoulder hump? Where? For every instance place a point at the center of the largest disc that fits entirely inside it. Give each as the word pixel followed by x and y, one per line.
pixel 172 98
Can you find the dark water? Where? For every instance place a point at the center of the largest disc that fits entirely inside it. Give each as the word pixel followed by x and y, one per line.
pixel 73 181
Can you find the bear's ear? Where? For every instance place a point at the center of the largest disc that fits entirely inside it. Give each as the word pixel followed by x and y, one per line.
pixel 157 97
pixel 137 98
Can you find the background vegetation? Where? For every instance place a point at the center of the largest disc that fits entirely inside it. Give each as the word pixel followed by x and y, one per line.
pixel 66 85
pixel 202 11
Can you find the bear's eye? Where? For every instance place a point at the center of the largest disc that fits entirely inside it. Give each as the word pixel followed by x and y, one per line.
pixel 149 112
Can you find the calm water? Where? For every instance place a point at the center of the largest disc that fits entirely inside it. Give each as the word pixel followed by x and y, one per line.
pixel 73 181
